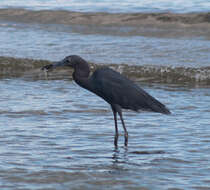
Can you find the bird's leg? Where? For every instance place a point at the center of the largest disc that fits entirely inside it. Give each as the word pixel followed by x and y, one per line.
pixel 125 130
pixel 116 129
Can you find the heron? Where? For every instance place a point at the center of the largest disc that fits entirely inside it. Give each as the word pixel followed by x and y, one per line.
pixel 116 89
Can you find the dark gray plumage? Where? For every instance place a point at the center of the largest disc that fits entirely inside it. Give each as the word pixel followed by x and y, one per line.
pixel 114 88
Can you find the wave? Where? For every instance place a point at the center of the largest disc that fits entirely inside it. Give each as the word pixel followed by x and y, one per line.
pixel 30 68
pixel 70 17
pixel 162 24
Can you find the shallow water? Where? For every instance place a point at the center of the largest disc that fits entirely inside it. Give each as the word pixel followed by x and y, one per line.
pixel 56 135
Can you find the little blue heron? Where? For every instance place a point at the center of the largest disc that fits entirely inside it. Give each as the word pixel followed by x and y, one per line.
pixel 114 88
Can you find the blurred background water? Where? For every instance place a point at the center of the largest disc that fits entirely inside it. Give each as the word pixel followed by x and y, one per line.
pixel 112 5
pixel 53 43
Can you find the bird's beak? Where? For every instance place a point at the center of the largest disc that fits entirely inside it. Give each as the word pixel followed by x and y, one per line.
pixel 54 65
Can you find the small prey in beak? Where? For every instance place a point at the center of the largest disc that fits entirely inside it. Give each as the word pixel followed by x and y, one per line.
pixel 46 69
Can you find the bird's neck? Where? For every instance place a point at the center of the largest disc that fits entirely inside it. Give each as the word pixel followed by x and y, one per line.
pixel 82 80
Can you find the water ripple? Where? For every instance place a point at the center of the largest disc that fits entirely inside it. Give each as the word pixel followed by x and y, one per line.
pixel 53 137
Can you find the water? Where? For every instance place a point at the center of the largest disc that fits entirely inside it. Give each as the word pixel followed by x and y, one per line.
pixel 53 43
pixel 112 5
pixel 54 137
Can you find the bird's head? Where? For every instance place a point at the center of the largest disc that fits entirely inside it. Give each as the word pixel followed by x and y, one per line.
pixel 69 61
pixel 73 61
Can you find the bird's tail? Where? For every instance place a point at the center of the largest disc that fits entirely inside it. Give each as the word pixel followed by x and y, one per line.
pixel 157 106
pixel 151 104
pixel 163 109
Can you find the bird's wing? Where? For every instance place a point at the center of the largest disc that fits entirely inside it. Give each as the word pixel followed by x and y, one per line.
pixel 117 89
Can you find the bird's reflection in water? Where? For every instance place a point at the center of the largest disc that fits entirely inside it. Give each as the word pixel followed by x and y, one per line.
pixel 118 162
pixel 120 157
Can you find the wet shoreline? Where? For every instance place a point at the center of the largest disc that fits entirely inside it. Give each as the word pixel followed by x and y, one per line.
pixel 30 68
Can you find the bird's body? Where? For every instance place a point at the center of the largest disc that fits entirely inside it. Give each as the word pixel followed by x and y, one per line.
pixel 117 89
pixel 114 88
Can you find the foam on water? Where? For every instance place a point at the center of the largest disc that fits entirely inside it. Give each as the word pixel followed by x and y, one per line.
pixel 112 5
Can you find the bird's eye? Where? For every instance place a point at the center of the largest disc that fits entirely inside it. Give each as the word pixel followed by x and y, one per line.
pixel 68 60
